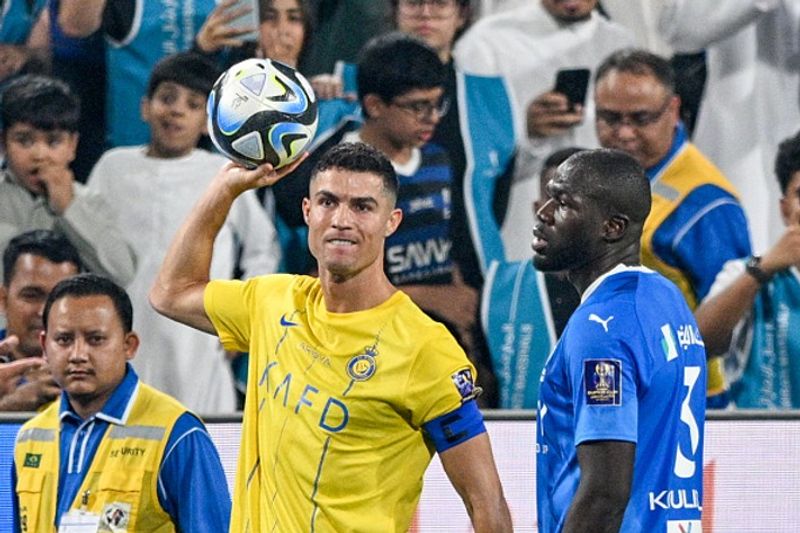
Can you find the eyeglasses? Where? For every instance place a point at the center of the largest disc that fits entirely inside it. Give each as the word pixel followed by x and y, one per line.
pixel 422 109
pixel 436 6
pixel 637 119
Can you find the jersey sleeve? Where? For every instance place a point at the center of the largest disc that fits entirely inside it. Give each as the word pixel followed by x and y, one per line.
pixel 192 484
pixel 226 306
pixel 441 379
pixel 602 373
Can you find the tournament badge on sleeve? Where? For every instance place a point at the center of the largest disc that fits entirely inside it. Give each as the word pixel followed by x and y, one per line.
pixel 603 381
pixel 465 385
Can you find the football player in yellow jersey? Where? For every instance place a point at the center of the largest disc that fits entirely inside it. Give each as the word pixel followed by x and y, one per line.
pixel 352 388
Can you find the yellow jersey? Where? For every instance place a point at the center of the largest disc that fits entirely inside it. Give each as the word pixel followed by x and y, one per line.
pixel 332 434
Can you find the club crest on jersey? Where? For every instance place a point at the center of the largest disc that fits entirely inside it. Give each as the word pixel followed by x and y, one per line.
pixel 362 367
pixel 465 385
pixel 602 379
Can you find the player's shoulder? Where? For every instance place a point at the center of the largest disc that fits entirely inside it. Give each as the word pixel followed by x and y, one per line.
pixel 264 292
pixel 658 301
pixel 281 281
pixel 622 296
pixel 602 322
pixel 652 290
pixel 416 324
pixel 257 285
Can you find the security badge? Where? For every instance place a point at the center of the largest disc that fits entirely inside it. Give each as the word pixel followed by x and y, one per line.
pixel 114 518
pixel 602 380
pixel 79 522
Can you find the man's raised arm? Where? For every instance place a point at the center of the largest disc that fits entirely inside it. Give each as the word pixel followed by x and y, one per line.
pixel 178 289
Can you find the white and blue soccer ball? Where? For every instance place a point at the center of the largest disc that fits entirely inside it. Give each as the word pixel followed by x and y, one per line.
pixel 262 111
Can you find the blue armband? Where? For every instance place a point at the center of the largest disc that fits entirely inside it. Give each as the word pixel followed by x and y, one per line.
pixel 455 427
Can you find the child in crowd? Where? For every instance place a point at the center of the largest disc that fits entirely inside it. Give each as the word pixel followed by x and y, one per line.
pixel 39 118
pixel 153 187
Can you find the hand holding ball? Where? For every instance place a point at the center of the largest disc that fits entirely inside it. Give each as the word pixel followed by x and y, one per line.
pixel 262 111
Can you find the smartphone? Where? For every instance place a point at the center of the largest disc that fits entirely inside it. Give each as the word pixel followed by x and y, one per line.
pixel 248 20
pixel 573 83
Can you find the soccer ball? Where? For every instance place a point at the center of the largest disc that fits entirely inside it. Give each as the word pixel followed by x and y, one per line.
pixel 262 111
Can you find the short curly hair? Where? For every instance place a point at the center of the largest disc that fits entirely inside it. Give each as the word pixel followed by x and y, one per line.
pixel 360 157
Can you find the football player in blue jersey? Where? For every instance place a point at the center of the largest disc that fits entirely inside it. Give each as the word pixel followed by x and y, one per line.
pixel 621 401
pixel 696 222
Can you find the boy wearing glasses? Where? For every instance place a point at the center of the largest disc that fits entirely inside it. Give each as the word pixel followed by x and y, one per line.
pixel 697 223
pixel 400 90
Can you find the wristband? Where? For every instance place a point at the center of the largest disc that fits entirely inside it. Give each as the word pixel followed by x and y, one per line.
pixel 753 267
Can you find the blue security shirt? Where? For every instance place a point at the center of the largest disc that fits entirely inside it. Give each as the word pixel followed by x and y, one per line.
pixel 630 366
pixel 192 487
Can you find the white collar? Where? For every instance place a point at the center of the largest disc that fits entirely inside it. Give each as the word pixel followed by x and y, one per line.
pixel 616 270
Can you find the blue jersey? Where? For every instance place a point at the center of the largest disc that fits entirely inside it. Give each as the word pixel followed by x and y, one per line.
pixel 630 366
pixel 419 251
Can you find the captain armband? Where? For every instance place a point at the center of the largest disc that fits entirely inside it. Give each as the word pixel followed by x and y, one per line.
pixel 455 427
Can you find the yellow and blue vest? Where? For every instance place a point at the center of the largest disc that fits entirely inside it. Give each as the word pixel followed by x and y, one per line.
pixel 122 479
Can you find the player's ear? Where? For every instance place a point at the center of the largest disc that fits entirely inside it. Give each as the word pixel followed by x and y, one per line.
pixel 395 217
pixel 615 227
pixel 3 299
pixel 306 209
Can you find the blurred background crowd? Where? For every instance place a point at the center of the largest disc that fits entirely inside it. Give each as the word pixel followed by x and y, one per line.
pixel 476 103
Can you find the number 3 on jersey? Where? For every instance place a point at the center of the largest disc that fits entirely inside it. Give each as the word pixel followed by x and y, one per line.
pixel 685 466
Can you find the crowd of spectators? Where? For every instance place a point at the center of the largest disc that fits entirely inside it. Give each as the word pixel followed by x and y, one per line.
pixel 104 152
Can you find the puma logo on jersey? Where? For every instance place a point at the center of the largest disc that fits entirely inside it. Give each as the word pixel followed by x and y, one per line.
pixel 594 318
